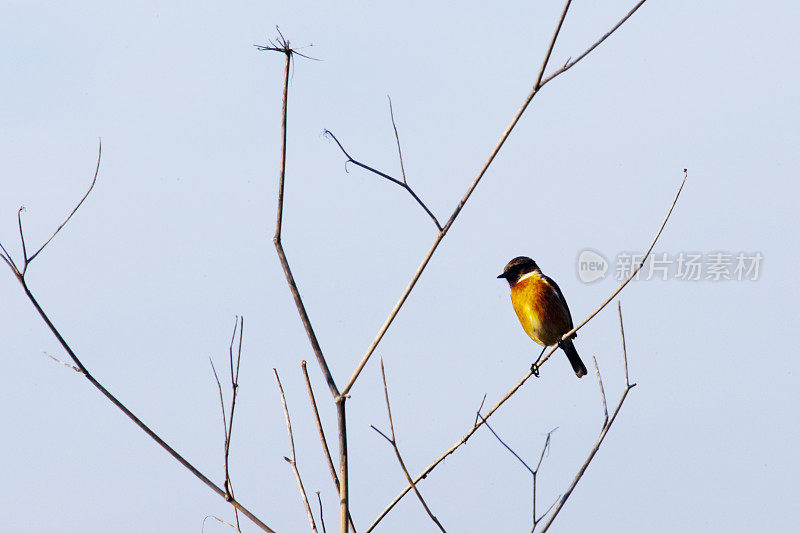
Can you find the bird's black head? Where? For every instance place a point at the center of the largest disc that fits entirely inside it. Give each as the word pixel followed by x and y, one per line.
pixel 516 268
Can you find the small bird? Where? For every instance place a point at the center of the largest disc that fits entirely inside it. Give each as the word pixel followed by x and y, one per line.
pixel 541 308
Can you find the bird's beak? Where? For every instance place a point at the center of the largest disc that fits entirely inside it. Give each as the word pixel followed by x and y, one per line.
pixel 503 275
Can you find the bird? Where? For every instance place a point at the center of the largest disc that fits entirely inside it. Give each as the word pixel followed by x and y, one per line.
pixel 541 308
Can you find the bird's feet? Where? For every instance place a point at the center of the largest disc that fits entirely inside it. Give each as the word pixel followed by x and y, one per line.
pixel 535 370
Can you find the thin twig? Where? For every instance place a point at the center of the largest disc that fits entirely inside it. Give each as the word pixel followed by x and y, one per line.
pixel 624 349
pixel 22 237
pixel 321 515
pixel 521 382
pixel 393 442
pixel 397 138
pixel 325 448
pixel 9 261
pixel 507 447
pixel 602 390
pixel 535 476
pixel 547 511
pixel 402 183
pixel 234 393
pixel 293 460
pixel 532 471
pixel 221 521
pixel 321 432
pixel 478 413
pixel 94 180
pixel 614 294
pixel 234 386
pixel 222 405
pixel 569 64
pixel 600 439
pixel 59 361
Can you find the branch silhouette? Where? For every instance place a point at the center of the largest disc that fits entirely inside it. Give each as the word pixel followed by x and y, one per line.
pixel 402 183
pixel 393 442
pixel 293 460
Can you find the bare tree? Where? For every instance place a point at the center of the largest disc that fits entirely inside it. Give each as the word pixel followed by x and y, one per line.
pixel 340 394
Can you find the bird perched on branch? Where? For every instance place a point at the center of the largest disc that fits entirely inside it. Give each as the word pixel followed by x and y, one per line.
pixel 541 308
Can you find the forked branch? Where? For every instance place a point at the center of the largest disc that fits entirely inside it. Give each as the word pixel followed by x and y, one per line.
pixel 402 183
pixel 340 399
pixel 27 260
pixel 393 442
pixel 227 420
pixel 533 471
pixel 81 368
pixel 325 450
pixel 606 426
pixel 293 460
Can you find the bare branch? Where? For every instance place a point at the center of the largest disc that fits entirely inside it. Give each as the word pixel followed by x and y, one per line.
pixel 325 448
pixel 448 452
pixel 614 294
pixel 624 349
pixel 321 432
pixel 22 238
pixel 279 225
pixel 136 420
pixel 293 460
pixel 321 515
pixel 234 394
pixel 59 361
pixel 478 413
pixel 547 511
pixel 221 521
pixel 569 64
pixel 222 405
pixel 521 460
pixel 397 138
pixel 393 442
pixel 227 420
pixel 339 399
pixel 596 447
pixel 507 447
pixel 402 183
pixel 602 390
pixel 535 475
pixel 9 261
pixel 94 180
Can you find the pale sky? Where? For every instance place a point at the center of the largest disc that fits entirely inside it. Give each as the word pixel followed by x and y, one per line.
pixel 175 241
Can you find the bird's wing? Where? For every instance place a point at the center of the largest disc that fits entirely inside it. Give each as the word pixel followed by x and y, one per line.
pixel 560 297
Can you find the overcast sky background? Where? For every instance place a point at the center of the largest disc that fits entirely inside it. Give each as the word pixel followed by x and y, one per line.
pixel 175 241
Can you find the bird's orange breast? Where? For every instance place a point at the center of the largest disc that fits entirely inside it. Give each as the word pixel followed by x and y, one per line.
pixel 541 312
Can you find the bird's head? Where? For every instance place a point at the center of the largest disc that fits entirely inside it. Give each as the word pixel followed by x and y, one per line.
pixel 516 268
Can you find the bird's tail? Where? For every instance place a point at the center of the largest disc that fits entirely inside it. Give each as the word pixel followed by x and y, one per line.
pixel 574 358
